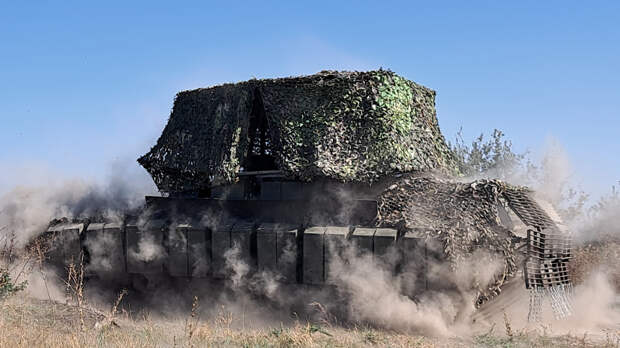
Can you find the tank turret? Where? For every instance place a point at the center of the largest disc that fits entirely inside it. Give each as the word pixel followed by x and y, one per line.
pixel 351 127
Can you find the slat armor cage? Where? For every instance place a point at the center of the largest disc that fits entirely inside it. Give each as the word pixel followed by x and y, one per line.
pixel 546 265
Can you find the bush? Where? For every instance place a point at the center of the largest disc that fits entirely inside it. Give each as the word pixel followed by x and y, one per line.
pixel 8 286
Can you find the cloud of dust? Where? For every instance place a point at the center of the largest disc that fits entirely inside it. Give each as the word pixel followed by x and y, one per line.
pixel 556 172
pixel 427 297
pixel 603 222
pixel 595 307
pixel 149 249
pixel 237 267
pixel 375 297
pixel 25 211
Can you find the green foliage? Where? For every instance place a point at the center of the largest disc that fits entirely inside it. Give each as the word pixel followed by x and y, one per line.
pixel 8 286
pixel 318 328
pixel 491 158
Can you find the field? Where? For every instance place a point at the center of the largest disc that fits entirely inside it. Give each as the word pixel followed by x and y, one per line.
pixel 26 322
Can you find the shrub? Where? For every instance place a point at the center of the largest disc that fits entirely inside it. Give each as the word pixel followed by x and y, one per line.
pixel 7 286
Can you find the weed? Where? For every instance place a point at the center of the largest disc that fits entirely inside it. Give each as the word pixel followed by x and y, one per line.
pixel 192 322
pixel 370 337
pixel 75 286
pixel 8 286
pixel 508 327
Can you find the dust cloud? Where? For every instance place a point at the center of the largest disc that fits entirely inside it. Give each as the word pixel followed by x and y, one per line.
pixel 25 211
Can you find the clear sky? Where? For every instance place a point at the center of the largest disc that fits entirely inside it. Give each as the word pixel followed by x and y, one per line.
pixel 85 85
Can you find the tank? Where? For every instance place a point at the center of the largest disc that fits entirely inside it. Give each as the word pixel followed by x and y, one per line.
pixel 288 175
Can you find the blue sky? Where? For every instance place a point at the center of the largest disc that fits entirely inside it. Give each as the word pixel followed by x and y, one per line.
pixel 84 85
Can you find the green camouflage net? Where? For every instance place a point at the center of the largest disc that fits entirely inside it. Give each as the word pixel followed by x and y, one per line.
pixel 347 126
pixel 465 218
pixel 462 217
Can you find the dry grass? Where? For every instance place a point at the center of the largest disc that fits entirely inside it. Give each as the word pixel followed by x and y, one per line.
pixel 31 323
pixel 27 322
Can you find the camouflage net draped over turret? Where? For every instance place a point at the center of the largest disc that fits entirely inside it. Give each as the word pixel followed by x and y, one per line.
pixel 348 126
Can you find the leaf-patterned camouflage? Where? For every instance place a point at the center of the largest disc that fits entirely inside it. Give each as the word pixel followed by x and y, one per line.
pixel 347 126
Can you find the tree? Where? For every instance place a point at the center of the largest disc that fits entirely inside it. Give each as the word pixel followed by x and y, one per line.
pixel 492 158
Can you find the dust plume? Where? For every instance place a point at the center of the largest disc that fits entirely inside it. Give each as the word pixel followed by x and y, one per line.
pixel 25 211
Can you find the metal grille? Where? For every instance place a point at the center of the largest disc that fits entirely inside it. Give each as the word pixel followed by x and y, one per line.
pixel 547 259
pixel 527 209
pixel 546 272
pixel 548 252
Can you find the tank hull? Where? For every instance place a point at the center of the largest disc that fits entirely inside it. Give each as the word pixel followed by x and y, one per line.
pixel 293 242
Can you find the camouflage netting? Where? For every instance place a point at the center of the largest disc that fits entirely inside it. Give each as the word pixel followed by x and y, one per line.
pixel 348 126
pixel 463 217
